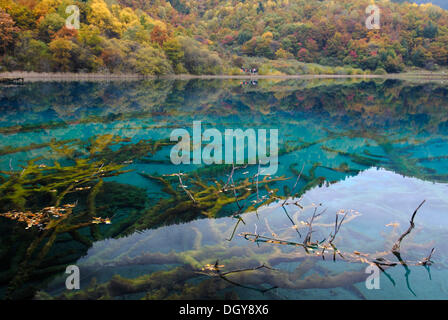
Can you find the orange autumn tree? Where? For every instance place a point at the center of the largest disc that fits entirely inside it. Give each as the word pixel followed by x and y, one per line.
pixel 7 30
pixel 65 33
pixel 328 33
pixel 159 35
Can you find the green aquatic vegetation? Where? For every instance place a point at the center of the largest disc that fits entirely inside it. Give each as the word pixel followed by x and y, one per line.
pixel 204 200
pixel 38 249
pixel 213 170
pixel 289 148
pixel 33 127
pixel 373 155
pixel 98 143
pixel 355 158
pixel 23 193
pixel 91 209
pixel 26 188
pixel 393 159
pixel 175 283
pixel 311 179
pixel 32 146
pixel 121 202
pixel 119 286
pixel 100 147
pixel 343 168
pixel 126 153
pixel 194 273
pixel 395 156
pixel 401 160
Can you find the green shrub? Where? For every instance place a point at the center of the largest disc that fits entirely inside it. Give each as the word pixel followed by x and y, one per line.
pixel 380 71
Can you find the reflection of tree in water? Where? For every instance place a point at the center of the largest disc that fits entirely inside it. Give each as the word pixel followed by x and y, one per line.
pixel 210 192
pixel 247 267
pixel 356 103
pixel 320 248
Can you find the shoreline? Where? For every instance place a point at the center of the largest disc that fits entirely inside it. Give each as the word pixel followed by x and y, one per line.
pixel 60 76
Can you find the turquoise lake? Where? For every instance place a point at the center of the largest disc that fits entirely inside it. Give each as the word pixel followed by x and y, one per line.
pixel 367 151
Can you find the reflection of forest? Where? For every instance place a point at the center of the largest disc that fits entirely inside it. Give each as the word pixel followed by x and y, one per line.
pixel 356 103
pixel 392 124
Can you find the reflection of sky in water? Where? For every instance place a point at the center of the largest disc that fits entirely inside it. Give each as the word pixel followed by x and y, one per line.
pixel 381 197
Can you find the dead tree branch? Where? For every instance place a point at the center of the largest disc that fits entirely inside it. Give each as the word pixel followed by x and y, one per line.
pixel 396 247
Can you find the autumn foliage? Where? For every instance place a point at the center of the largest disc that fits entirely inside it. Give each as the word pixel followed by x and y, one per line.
pixel 209 36
pixel 7 30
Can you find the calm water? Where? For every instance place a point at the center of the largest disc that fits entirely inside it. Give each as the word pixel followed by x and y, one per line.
pixel 375 149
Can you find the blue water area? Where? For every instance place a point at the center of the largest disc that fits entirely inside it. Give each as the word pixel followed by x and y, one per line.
pixel 87 180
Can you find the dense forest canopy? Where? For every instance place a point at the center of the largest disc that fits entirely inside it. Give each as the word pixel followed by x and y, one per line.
pixel 219 37
pixel 441 3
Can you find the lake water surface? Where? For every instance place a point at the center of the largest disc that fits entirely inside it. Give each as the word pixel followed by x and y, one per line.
pixel 370 151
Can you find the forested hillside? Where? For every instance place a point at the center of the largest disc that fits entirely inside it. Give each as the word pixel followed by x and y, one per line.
pixel 219 37
pixel 441 3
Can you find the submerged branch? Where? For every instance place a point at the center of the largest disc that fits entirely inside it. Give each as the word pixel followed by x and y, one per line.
pixel 184 188
pixel 396 247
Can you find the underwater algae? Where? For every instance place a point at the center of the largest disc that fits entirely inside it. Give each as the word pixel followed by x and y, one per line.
pixel 204 200
pixel 217 279
pixel 69 172
pixel 51 184
pixel 191 260
pixel 179 206
pixel 38 184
